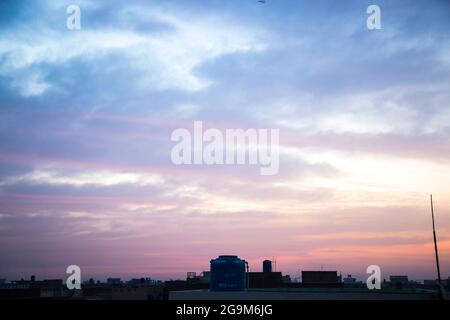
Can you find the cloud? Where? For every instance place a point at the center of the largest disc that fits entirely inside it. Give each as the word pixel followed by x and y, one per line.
pixel 31 85
pixel 403 110
pixel 160 59
pixel 79 179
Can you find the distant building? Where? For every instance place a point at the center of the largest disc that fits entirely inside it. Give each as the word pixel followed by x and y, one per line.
pixel 287 279
pixel 140 281
pixel 113 281
pixel 320 278
pixel 265 280
pixel 174 285
pixel 433 283
pixel 398 281
pixel 97 291
pixel 191 275
pixel 131 292
pixel 201 281
pixel 349 279
pixel 205 277
pixel 33 289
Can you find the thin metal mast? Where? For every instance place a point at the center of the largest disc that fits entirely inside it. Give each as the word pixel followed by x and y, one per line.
pixel 435 242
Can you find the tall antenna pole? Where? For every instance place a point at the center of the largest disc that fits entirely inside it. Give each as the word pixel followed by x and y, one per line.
pixel 435 242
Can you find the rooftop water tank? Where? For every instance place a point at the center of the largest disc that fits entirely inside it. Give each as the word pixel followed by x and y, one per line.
pixel 267 266
pixel 228 274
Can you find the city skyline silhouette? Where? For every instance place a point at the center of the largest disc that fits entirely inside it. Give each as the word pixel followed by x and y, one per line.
pixel 92 92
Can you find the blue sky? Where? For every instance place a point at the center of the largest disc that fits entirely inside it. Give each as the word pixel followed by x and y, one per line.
pixel 86 118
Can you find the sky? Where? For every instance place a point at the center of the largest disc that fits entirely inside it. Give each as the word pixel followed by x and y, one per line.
pixel 86 118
